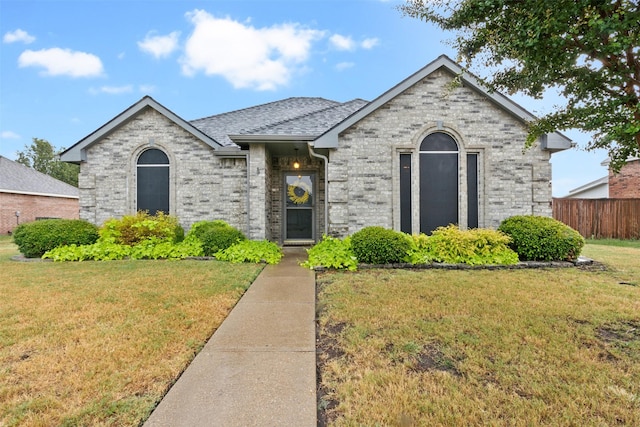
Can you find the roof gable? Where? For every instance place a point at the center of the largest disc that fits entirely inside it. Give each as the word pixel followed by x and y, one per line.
pixel 329 139
pixel 20 179
pixel 76 153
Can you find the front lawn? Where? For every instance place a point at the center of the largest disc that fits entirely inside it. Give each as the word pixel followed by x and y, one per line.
pixel 100 343
pixel 554 347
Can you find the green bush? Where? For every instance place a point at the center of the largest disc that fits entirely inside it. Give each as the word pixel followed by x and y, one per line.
pixel 36 238
pixel 378 245
pixel 451 245
pixel 537 238
pixel 133 229
pixel 332 253
pixel 215 235
pixel 251 251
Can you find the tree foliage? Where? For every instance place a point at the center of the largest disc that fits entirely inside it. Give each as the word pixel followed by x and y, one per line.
pixel 587 49
pixel 43 157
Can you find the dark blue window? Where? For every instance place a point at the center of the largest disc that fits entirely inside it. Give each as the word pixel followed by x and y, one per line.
pixel 153 182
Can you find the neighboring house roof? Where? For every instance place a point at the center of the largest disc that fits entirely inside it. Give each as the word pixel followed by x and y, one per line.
pixel 553 142
pixel 594 189
pixel 76 153
pixel 301 118
pixel 19 179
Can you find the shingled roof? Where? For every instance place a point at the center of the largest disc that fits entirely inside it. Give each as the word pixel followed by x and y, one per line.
pixel 19 179
pixel 301 116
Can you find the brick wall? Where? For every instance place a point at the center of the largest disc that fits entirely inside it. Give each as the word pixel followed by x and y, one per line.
pixel 32 207
pixel 364 177
pixel 202 186
pixel 626 184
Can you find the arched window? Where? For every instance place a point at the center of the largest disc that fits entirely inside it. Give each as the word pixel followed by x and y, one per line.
pixel 153 182
pixel 438 182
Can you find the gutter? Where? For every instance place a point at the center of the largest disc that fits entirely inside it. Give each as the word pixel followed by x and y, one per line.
pixel 325 159
pixel 34 193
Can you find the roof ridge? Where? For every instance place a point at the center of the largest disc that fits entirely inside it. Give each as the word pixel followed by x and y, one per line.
pixel 339 104
pixel 259 105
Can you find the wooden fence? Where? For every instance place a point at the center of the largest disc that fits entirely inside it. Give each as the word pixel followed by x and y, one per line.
pixel 600 218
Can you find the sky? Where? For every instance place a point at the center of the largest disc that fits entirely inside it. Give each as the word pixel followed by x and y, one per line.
pixel 68 67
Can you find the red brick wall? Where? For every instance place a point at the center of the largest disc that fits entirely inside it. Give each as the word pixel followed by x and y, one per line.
pixel 626 184
pixel 32 207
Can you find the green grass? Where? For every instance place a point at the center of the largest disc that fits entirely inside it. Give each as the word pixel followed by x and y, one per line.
pixel 615 242
pixel 554 347
pixel 100 343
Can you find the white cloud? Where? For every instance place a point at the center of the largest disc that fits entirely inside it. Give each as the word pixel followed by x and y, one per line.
pixel 146 88
pixel 342 42
pixel 18 36
pixel 7 134
pixel 62 62
pixel 248 57
pixel 369 43
pixel 344 65
pixel 347 43
pixel 119 90
pixel 111 90
pixel 160 46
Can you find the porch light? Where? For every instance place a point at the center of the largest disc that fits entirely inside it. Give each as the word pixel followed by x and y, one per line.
pixel 296 163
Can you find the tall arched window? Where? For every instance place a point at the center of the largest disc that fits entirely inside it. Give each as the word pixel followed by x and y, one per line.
pixel 153 182
pixel 438 182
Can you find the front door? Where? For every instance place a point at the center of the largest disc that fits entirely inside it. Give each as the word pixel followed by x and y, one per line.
pixel 299 206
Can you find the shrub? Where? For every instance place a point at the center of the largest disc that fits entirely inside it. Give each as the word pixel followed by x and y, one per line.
pixel 108 251
pixel 537 238
pixel 133 229
pixel 378 245
pixel 452 245
pixel 251 251
pixel 332 253
pixel 36 238
pixel 215 235
pixel 164 249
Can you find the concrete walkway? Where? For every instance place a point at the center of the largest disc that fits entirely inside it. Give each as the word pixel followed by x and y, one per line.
pixel 259 367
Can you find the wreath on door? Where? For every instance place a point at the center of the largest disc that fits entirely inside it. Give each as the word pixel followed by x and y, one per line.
pixel 299 192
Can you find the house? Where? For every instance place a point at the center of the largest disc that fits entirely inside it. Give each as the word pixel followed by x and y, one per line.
pixel 597 189
pixel 622 185
pixel 626 183
pixel 27 195
pixel 423 154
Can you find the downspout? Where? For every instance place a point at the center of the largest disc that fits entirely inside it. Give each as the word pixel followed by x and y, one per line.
pixel 248 201
pixel 325 159
pixel 532 190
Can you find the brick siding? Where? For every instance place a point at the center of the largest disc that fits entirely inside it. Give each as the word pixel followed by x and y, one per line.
pixel 32 207
pixel 626 184
pixel 363 172
pixel 202 186
pixel 364 177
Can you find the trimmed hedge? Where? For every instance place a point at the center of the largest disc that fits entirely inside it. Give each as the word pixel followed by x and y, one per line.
pixel 36 238
pixel 215 236
pixel 538 238
pixel 378 245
